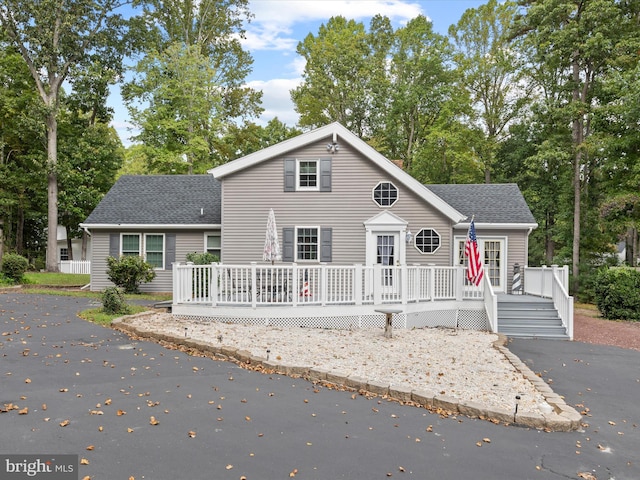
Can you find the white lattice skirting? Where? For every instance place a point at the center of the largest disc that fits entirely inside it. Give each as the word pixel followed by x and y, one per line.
pixel 471 319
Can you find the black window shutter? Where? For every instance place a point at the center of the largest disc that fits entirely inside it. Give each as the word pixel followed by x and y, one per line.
pixel 325 244
pixel 114 245
pixel 289 174
pixel 288 235
pixel 325 174
pixel 169 250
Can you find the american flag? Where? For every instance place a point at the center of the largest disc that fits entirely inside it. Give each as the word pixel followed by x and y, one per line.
pixel 471 251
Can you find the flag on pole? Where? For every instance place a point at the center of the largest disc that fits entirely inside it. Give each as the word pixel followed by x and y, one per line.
pixel 305 287
pixel 471 251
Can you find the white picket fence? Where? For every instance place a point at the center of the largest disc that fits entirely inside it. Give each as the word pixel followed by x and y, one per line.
pixel 75 266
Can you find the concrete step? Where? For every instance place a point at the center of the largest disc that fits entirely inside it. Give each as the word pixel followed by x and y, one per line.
pixel 538 322
pixel 530 319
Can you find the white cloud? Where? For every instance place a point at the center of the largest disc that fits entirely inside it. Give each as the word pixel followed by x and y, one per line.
pixel 272 25
pixel 276 99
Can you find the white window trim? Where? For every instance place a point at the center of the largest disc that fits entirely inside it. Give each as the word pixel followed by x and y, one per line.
pixel 416 238
pixel 307 189
pixel 504 273
pixel 139 235
pixel 142 245
pixel 164 248
pixel 295 242
pixel 209 234
pixel 373 196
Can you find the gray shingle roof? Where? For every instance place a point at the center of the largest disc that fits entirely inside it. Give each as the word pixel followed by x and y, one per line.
pixel 490 203
pixel 160 199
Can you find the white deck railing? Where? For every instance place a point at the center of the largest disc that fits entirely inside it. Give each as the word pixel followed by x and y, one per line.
pixel 293 284
pixel 75 266
pixel 539 280
pixel 552 282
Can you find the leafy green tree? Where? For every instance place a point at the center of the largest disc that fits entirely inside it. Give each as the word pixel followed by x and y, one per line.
pixel 584 41
pixel 59 40
pixel 335 82
pixel 22 158
pixel 422 84
pixel 492 72
pixel 189 84
pixel 240 140
pixel 175 102
pixel 90 156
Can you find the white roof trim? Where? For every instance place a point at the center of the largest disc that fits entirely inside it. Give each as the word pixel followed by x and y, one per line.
pixel 360 145
pixel 155 226
pixel 498 226
pixel 386 218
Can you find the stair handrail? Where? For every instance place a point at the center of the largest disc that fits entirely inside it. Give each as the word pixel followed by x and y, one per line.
pixel 562 302
pixel 490 304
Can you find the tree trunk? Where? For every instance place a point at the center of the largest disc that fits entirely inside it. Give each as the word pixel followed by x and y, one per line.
pixel 1 240
pixel 20 231
pixel 69 244
pixel 85 238
pixel 549 243
pixel 577 139
pixel 52 193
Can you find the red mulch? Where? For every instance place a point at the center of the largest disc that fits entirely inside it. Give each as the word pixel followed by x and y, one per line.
pixel 589 327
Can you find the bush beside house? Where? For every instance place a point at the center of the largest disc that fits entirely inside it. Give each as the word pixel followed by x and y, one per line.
pixel 617 292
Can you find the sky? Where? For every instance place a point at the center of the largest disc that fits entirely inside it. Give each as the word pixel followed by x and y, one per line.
pixel 278 25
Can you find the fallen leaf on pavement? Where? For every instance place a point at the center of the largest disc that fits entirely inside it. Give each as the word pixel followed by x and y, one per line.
pixel 64 423
pixel 84 461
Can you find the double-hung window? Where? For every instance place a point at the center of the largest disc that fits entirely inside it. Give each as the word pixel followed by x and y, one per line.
pixel 308 175
pixel 213 244
pixel 154 250
pixel 307 242
pixel 151 247
pixel 130 244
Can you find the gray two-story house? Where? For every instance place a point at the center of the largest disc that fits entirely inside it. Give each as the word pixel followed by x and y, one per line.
pixel 336 199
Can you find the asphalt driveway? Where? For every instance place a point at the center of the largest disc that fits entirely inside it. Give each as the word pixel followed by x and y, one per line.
pixel 137 409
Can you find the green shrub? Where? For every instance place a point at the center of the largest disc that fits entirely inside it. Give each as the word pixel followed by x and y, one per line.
pixel 113 301
pixel 14 266
pixel 129 271
pixel 202 258
pixel 617 293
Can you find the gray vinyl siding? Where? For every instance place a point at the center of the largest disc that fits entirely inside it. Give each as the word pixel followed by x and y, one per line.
pixel 186 242
pixel 249 194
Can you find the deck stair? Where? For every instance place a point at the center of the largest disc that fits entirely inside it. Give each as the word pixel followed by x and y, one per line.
pixel 525 316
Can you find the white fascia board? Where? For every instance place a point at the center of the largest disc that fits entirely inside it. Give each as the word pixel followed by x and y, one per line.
pixel 358 144
pixel 497 226
pixel 278 149
pixel 149 226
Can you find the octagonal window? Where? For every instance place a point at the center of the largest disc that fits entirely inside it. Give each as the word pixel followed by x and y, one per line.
pixel 385 194
pixel 427 240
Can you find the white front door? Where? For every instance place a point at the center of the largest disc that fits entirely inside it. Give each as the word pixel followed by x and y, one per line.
pixel 384 235
pixel 494 260
pixel 386 255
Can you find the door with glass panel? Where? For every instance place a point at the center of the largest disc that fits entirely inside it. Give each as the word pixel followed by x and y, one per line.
pixel 386 255
pixel 492 251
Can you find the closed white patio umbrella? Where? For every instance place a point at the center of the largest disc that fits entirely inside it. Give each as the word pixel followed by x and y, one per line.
pixel 271 245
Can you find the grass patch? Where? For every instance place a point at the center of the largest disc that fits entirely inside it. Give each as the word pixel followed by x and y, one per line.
pixel 51 279
pixel 40 290
pixel 96 315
